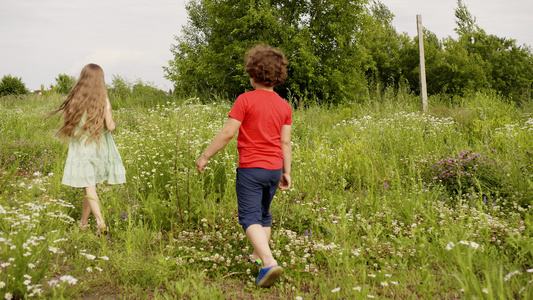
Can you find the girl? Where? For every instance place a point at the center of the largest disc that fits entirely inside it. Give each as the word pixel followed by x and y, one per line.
pixel 92 154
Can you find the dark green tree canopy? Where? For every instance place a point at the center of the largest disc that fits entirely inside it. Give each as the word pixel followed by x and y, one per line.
pixel 12 86
pixel 319 37
pixel 338 50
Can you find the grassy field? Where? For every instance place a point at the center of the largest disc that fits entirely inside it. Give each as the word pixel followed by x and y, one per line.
pixel 386 203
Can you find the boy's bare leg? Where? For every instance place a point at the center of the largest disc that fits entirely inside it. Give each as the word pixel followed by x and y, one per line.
pixel 267 231
pixel 92 200
pixel 258 238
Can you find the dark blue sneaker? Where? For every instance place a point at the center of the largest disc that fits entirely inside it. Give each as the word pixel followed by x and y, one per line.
pixel 267 276
pixel 256 262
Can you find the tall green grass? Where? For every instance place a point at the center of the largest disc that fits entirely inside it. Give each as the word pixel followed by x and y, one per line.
pixel 370 213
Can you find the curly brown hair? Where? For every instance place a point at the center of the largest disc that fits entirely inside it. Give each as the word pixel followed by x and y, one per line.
pixel 266 65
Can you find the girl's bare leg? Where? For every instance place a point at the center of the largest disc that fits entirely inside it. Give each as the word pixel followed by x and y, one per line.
pixel 85 212
pixel 91 198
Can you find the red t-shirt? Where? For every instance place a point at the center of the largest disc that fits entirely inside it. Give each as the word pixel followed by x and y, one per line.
pixel 262 114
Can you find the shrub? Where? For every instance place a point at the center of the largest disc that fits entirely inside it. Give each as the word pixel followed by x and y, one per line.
pixel 12 86
pixel 468 172
pixel 65 83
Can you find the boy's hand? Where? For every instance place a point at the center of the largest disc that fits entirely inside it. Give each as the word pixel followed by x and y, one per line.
pixel 285 182
pixel 200 164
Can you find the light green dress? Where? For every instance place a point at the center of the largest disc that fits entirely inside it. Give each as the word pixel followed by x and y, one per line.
pixel 90 164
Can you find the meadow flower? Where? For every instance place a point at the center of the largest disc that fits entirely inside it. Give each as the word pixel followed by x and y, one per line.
pixel 89 269
pixel 485 290
pixel 104 257
pixel 372 275
pixel 384 283
pixel 474 245
pixel 9 296
pixel 2 284
pixel 508 276
pixel 530 270
pixel 370 296
pixel 98 269
pixel 26 282
pixel 357 288
pixel 450 246
pixel 335 290
pixel 68 279
pixel 298 298
pixel 90 256
pixel 53 282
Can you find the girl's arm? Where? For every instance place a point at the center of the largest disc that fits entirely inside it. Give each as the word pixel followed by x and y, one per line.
pixel 221 140
pixel 285 182
pixel 109 122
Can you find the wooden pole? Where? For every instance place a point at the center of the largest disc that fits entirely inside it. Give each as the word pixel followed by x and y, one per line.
pixel 423 87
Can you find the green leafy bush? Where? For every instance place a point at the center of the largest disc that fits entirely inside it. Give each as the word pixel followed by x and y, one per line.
pixel 468 172
pixel 65 83
pixel 12 86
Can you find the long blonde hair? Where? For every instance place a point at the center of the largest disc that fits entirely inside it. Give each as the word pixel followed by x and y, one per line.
pixel 88 95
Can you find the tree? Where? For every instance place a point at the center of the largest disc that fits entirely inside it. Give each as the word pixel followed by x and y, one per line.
pixel 320 38
pixel 12 86
pixel 64 83
pixel 465 21
pixel 121 88
pixel 494 62
pixel 385 47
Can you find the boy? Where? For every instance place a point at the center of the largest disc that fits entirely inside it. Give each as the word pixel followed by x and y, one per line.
pixel 263 120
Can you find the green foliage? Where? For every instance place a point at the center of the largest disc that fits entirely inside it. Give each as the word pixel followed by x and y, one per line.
pixel 318 37
pixel 123 93
pixel 121 88
pixel 12 86
pixel 468 172
pixel 387 52
pixel 64 84
pixel 478 60
pixel 340 50
pixel 465 21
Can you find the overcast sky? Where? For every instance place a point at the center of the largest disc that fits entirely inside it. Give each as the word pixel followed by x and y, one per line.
pixel 40 39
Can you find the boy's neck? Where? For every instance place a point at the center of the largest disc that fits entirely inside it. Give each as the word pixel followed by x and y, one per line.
pixel 259 86
pixel 266 88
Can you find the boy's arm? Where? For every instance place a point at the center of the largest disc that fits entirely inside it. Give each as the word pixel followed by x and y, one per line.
pixel 221 140
pixel 285 182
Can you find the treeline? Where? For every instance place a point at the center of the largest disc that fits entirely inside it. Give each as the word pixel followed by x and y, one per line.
pixel 338 50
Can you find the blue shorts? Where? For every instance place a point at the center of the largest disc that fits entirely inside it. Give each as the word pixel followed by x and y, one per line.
pixel 255 189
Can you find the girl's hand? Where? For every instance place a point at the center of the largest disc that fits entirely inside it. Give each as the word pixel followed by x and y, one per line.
pixel 200 164
pixel 285 182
